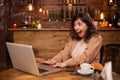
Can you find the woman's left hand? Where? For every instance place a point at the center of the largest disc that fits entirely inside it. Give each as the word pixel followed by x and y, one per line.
pixel 40 60
pixel 59 65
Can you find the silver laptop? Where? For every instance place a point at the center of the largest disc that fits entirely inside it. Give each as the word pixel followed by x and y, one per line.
pixel 23 59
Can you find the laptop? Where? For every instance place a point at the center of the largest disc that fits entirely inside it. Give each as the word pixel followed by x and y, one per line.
pixel 22 58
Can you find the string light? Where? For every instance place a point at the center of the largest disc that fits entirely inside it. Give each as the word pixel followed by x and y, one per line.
pixel 40 10
pixel 102 15
pixel 110 2
pixel 30 6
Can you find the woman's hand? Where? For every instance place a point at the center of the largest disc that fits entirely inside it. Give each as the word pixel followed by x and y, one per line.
pixel 40 60
pixel 51 62
pixel 59 65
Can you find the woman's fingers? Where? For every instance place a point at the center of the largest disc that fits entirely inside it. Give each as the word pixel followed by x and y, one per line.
pixel 40 60
pixel 59 65
pixel 51 62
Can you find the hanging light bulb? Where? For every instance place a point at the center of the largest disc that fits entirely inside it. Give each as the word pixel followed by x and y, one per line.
pixel 40 10
pixel 30 6
pixel 102 15
pixel 110 2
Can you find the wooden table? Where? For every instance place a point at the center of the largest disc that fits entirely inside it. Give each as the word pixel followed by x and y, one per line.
pixel 13 74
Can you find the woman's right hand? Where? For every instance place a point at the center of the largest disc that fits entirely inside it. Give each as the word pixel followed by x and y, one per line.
pixel 40 60
pixel 51 62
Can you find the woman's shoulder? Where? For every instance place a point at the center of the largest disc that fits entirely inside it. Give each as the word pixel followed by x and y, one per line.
pixel 72 41
pixel 97 36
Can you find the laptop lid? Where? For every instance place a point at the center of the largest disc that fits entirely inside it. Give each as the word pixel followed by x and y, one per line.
pixel 23 58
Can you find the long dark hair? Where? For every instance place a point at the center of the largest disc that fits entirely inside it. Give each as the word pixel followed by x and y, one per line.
pixel 91 30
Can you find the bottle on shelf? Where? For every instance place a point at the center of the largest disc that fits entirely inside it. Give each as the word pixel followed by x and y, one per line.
pixel 59 14
pixel 67 12
pixel 70 1
pixel 80 9
pixel 74 1
pixel 76 11
pixel 84 9
pixel 92 13
pixel 29 20
pixel 67 1
pixel 111 19
pixel 77 1
pixel 72 13
pixel 60 1
pixel 63 1
pixel 50 14
pixel 30 1
pixel 117 19
pixel 62 13
pixel 21 2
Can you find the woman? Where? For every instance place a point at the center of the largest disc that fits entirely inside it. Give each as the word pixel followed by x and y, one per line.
pixel 84 45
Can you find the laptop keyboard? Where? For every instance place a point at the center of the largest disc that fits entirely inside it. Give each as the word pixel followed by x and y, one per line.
pixel 45 69
pixel 42 70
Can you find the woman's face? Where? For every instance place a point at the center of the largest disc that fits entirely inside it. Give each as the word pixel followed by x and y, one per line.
pixel 80 27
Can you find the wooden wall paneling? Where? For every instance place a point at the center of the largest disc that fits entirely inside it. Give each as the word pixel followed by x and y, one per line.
pixel 109 37
pixel 49 43
pixel 45 43
pixel 25 37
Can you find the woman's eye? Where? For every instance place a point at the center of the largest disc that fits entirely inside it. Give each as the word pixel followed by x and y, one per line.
pixel 79 24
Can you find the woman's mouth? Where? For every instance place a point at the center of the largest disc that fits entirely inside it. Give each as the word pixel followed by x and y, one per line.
pixel 79 32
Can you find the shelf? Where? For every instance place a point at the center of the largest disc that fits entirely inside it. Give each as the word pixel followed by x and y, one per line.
pixel 42 29
pixel 24 25
pixel 24 2
pixel 80 4
pixel 60 19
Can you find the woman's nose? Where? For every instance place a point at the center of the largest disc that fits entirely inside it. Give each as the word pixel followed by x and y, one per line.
pixel 76 26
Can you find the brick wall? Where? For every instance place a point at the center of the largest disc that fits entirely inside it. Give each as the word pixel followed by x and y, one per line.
pixel 48 5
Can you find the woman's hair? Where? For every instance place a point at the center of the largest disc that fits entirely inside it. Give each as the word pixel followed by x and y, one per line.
pixel 91 30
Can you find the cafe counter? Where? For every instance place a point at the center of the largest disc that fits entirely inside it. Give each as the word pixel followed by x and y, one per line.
pixel 47 42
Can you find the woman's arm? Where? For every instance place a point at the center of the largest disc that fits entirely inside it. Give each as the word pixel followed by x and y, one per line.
pixel 91 54
pixel 64 54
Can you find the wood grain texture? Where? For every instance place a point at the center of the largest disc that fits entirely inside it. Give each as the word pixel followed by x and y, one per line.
pixel 19 75
pixel 48 43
